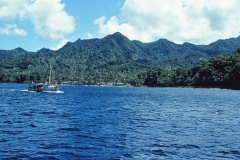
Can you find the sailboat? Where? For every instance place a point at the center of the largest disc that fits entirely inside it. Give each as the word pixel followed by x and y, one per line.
pixel 49 87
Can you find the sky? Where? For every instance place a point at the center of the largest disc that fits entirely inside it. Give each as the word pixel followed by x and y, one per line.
pixel 36 24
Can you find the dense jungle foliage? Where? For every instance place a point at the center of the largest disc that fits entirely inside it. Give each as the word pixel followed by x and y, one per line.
pixel 220 72
pixel 115 58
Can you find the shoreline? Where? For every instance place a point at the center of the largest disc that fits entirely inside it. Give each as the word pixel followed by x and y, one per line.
pixel 189 87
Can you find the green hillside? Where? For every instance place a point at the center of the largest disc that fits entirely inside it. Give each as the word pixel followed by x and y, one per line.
pixel 220 72
pixel 112 58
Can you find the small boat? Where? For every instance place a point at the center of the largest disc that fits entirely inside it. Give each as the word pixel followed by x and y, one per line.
pixel 32 87
pixel 47 87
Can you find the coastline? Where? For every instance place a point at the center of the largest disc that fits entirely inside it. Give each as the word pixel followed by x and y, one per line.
pixel 144 86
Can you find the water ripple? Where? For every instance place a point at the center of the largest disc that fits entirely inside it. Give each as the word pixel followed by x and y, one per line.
pixel 119 123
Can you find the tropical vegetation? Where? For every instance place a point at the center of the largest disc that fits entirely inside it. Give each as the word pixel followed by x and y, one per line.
pixel 219 72
pixel 115 58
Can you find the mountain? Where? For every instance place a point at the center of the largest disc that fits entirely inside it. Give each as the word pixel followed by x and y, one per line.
pixel 219 72
pixel 5 54
pixel 113 57
pixel 115 47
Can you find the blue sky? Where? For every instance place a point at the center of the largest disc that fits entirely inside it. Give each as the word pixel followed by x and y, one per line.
pixel 34 24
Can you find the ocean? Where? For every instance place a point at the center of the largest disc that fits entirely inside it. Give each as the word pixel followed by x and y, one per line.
pixel 102 122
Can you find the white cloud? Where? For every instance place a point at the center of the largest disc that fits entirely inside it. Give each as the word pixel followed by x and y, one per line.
pixel 112 25
pixel 88 36
pixel 10 9
pixel 48 17
pixel 60 44
pixel 12 30
pixel 198 22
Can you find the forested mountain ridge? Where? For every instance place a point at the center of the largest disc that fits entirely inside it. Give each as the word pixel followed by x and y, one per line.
pixel 112 58
pixel 220 72
pixel 10 54
pixel 116 47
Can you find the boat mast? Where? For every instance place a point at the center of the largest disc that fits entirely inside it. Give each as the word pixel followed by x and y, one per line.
pixel 49 81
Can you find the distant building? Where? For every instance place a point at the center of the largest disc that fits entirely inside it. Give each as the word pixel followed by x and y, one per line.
pixel 70 82
pixel 119 84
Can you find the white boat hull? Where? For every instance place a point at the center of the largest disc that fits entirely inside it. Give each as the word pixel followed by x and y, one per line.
pixel 53 92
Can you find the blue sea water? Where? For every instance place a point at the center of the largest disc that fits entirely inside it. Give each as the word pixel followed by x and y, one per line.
pixel 93 122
